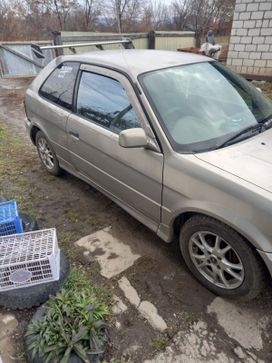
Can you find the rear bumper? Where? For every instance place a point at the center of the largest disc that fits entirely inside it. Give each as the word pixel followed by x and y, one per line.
pixel 267 258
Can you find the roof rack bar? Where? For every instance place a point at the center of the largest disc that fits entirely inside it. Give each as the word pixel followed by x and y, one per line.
pixel 38 51
pixel 122 41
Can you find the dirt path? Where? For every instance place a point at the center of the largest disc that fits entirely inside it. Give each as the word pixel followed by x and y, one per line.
pixel 163 314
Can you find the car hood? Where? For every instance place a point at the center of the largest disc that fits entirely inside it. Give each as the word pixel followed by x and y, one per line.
pixel 250 159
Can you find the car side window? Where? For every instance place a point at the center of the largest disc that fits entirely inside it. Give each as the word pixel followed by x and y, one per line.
pixel 59 86
pixel 103 100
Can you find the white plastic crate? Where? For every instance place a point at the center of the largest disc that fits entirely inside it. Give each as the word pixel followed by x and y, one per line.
pixel 28 259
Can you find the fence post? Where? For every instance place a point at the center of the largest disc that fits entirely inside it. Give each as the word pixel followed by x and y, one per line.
pixel 197 39
pixel 151 39
pixel 57 41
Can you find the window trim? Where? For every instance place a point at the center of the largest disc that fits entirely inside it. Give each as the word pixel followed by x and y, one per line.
pixel 93 121
pixel 73 93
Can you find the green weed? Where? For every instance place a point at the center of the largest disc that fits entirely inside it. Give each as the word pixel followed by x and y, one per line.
pixel 159 344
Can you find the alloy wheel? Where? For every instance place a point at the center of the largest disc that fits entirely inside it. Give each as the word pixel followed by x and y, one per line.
pixel 216 260
pixel 46 153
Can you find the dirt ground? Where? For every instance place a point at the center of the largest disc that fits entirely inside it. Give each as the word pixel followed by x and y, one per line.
pixel 200 326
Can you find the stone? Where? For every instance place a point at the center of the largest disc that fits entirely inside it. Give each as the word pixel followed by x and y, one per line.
pixel 252 7
pixel 129 291
pixel 119 307
pixel 239 352
pixel 8 324
pixel 257 15
pixel 150 313
pixel 265 6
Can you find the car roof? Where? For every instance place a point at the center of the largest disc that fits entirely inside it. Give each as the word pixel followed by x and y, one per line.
pixel 137 61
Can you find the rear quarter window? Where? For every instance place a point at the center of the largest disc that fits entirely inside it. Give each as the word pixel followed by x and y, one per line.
pixel 59 86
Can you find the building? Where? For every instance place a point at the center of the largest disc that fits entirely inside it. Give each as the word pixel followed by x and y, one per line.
pixel 250 48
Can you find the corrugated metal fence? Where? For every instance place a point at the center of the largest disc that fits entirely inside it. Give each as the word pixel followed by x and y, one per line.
pixel 18 60
pixel 163 40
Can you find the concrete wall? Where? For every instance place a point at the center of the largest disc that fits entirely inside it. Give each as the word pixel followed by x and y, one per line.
pixel 250 49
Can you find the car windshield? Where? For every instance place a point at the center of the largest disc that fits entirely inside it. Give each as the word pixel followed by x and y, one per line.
pixel 202 105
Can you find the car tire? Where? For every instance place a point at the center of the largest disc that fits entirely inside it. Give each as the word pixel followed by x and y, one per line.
pixel 221 259
pixel 28 297
pixel 47 154
pixel 29 223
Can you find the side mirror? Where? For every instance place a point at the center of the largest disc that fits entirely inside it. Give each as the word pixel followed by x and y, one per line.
pixel 132 138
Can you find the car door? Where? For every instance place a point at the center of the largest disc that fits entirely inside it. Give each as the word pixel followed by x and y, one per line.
pixel 55 104
pixel 106 104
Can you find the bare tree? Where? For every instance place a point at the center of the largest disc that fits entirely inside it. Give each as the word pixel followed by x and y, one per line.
pixel 207 12
pixel 126 13
pixel 88 12
pixel 181 10
pixel 62 9
pixel 36 19
pixel 156 14
pixel 11 12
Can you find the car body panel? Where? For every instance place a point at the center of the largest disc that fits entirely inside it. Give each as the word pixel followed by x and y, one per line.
pixel 250 160
pixel 125 173
pixel 199 187
pixel 52 120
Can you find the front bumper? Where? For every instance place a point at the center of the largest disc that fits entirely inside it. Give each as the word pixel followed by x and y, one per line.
pixel 267 258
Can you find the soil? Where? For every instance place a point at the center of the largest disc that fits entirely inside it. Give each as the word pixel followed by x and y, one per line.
pixel 76 210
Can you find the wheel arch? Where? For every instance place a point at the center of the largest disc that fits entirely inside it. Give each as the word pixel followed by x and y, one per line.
pixel 33 132
pixel 242 226
pixel 183 217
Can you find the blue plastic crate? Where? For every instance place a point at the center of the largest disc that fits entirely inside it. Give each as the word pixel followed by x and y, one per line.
pixel 10 221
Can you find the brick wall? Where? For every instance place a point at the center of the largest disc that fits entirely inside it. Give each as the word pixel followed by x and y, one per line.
pixel 250 48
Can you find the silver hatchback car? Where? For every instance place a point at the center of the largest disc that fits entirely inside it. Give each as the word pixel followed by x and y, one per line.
pixel 181 142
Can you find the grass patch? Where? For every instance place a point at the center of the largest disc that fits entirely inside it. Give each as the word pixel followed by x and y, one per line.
pixel 49 178
pixel 2 132
pixel 159 344
pixel 79 281
pixel 189 317
pixel 15 159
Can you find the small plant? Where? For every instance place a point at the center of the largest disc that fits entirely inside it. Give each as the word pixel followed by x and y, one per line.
pixel 190 317
pixel 78 280
pixel 73 323
pixel 159 344
pixel 2 132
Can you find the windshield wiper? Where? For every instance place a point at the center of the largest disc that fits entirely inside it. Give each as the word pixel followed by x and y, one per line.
pixel 253 129
pixel 266 125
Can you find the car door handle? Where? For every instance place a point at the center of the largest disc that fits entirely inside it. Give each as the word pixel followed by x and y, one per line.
pixel 74 134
